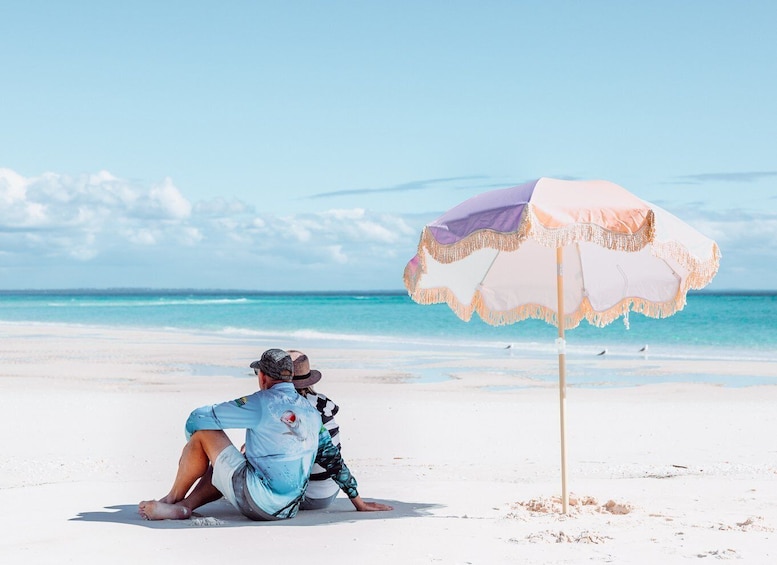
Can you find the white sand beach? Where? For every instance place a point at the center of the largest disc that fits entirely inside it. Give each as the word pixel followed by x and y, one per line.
pixel 666 473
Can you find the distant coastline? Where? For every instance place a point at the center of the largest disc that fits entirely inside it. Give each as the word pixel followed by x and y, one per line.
pixel 196 292
pixel 142 291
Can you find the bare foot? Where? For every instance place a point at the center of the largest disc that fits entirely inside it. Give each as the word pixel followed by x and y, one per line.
pixel 158 510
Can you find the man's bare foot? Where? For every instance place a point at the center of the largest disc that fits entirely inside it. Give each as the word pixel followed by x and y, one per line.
pixel 158 510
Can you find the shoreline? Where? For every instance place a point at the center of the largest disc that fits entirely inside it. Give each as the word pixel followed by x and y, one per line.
pixel 438 362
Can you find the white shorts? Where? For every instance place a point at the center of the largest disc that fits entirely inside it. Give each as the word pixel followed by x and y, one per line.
pixel 229 476
pixel 227 463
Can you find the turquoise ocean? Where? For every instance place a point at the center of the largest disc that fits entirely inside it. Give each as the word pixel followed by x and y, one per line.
pixel 724 327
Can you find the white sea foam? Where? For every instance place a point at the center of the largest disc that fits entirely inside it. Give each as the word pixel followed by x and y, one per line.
pixel 162 302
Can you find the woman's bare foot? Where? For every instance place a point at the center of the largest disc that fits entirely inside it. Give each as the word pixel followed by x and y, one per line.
pixel 158 510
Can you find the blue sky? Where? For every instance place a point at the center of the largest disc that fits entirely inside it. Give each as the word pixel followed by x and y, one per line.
pixel 303 145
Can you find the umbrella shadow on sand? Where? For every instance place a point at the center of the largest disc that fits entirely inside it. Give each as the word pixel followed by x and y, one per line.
pixel 222 514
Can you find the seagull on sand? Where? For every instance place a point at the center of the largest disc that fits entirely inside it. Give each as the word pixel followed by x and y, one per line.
pixel 644 349
pixel 603 352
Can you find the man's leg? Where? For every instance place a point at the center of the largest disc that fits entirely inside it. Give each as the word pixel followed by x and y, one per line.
pixel 202 448
pixel 203 492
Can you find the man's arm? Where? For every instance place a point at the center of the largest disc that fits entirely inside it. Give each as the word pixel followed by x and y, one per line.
pixel 329 457
pixel 238 413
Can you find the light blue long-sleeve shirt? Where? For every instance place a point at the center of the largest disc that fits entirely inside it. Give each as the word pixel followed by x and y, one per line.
pixel 282 437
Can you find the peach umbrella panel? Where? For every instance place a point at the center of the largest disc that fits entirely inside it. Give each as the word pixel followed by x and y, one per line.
pixel 560 251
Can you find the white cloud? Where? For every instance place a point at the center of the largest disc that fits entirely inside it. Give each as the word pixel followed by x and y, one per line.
pixel 340 215
pixel 113 232
pixel 83 217
pixel 102 224
pixel 373 231
pixel 83 253
pixel 337 255
pixel 299 232
pixel 35 213
pixel 102 177
pixel 189 235
pixel 12 186
pixel 221 207
pixel 169 200
pixel 746 242
pixel 739 229
pixel 140 236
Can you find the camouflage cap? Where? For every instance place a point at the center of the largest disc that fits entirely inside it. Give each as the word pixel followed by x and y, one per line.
pixel 276 364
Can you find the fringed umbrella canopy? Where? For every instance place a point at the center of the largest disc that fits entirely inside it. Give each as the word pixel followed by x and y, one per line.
pixel 495 254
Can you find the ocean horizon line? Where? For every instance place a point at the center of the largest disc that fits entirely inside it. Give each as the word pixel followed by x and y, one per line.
pixel 130 291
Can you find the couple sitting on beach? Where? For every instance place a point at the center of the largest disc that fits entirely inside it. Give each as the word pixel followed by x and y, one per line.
pixel 288 462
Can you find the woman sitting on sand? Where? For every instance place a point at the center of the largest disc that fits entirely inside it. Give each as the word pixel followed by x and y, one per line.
pixel 322 490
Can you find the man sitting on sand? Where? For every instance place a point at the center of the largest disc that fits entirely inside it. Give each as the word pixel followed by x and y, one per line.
pixel 284 434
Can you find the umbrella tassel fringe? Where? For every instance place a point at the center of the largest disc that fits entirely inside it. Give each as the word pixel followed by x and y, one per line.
pixel 638 305
pixel 443 296
pixel 481 239
pixel 700 272
pixel 518 314
pixel 531 227
pixel 561 237
pixel 539 312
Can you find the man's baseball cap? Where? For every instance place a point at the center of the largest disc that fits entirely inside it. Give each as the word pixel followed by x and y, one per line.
pixel 276 364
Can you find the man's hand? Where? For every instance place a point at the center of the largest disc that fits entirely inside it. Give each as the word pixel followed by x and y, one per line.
pixel 364 506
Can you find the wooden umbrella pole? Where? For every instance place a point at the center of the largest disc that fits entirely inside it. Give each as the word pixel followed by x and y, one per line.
pixel 562 379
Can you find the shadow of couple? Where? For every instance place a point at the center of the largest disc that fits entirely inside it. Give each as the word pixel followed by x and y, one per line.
pixel 222 514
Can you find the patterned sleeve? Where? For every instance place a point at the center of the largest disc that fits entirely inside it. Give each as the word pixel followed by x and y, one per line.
pixel 238 413
pixel 328 456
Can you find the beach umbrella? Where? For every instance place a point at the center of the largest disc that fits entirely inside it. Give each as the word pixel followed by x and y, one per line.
pixel 561 251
